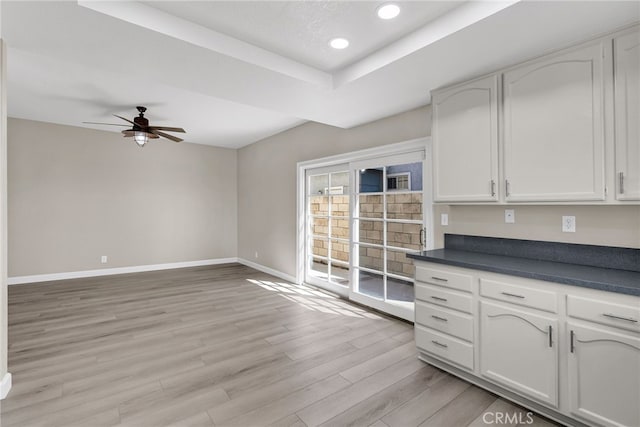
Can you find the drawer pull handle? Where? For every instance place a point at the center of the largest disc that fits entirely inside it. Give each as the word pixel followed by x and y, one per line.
pixel 512 295
pixel 439 344
pixel 439 299
pixel 442 319
pixel 550 336
pixel 613 316
pixel 440 279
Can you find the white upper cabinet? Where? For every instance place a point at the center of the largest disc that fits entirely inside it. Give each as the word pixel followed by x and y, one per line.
pixel 627 115
pixel 465 141
pixel 553 128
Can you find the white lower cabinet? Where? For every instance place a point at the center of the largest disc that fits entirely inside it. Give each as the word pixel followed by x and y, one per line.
pixel 519 350
pixel 604 376
pixel 567 352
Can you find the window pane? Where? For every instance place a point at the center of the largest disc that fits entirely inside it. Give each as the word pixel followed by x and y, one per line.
pixel 318 267
pixel 339 183
pixel 340 228
pixel 340 206
pixel 371 258
pixel 398 263
pixel 370 206
pixel 371 180
pixel 340 251
pixel 403 235
pixel 370 284
pixel 319 205
pixel 320 247
pixel 404 206
pixel 399 290
pixel 412 172
pixel 320 226
pixel 318 184
pixel 340 273
pixel 370 231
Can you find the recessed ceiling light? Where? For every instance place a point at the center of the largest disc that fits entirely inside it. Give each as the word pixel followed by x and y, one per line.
pixel 339 43
pixel 388 11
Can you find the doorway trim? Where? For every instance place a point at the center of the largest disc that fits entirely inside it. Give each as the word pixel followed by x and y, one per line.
pixel 359 155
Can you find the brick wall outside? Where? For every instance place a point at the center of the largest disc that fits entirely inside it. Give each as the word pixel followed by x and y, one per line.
pixel 399 206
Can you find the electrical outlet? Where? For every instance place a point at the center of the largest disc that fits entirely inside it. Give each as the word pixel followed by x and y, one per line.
pixel 103 259
pixel 509 216
pixel 444 219
pixel 568 224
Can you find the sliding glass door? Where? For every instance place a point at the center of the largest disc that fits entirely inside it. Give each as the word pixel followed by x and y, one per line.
pixel 388 222
pixel 360 220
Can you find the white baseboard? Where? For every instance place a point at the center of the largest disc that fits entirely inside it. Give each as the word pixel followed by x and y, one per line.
pixel 5 385
pixel 268 270
pixel 118 270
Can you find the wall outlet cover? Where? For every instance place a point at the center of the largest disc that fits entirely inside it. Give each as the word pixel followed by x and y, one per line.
pixel 568 224
pixel 509 216
pixel 103 259
pixel 444 219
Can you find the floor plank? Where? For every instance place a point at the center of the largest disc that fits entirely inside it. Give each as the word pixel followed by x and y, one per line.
pixel 219 345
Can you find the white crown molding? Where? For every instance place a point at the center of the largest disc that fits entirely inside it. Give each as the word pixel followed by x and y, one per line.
pixel 162 22
pixel 268 270
pixel 5 385
pixel 18 280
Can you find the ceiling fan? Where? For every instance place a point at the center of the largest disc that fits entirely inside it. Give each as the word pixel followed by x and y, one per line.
pixel 141 131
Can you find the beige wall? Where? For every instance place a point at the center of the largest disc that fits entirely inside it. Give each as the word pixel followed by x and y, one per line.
pixel 267 179
pixel 76 194
pixel 595 225
pixel 267 195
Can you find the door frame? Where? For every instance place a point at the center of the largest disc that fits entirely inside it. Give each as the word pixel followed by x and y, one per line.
pixel 359 155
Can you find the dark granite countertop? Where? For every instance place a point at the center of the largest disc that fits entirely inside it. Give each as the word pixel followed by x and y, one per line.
pixel 606 279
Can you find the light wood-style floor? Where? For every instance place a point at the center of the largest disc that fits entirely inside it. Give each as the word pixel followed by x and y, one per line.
pixel 220 345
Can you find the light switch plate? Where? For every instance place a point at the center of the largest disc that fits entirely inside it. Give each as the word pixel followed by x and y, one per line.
pixel 568 224
pixel 444 219
pixel 509 216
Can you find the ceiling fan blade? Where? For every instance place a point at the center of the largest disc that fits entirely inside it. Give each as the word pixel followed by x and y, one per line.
pixel 126 120
pixel 167 128
pixel 108 124
pixel 127 133
pixel 165 135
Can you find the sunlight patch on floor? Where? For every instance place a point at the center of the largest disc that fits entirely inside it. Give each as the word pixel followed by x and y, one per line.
pixel 313 299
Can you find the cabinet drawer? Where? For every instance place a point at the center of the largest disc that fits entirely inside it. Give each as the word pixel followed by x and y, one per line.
pixel 443 320
pixel 444 347
pixel 461 282
pixel 442 297
pixel 606 313
pixel 521 295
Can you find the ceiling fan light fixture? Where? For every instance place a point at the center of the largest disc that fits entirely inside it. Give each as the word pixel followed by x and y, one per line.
pixel 388 11
pixel 141 138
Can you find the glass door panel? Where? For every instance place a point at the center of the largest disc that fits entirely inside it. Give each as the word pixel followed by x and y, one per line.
pixel 388 223
pixel 327 228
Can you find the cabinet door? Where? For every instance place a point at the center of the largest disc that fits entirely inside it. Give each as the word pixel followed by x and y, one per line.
pixel 519 350
pixel 465 142
pixel 553 128
pixel 627 111
pixel 604 376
